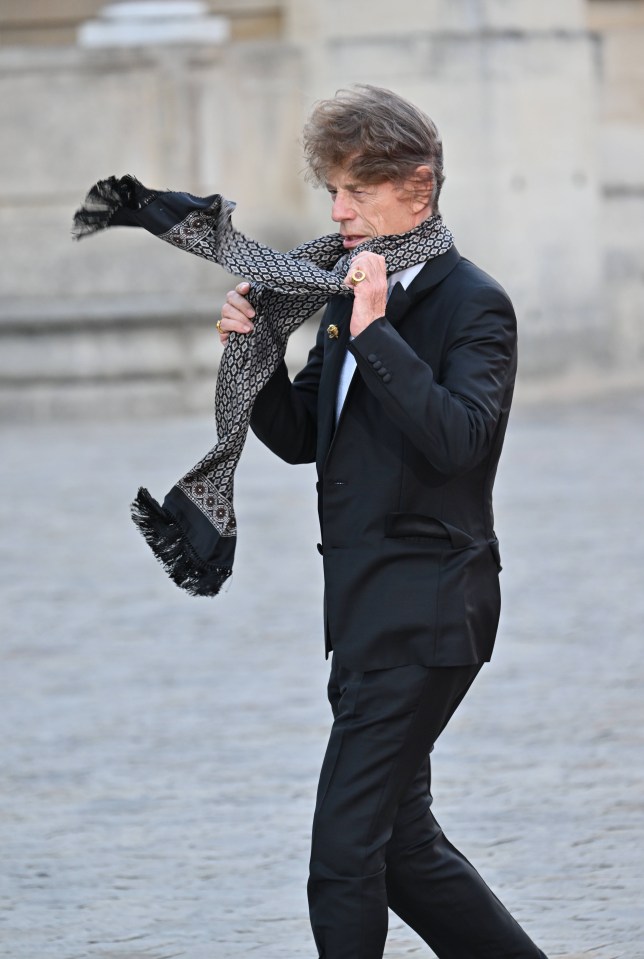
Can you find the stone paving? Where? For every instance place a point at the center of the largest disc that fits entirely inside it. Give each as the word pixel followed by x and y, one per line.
pixel 159 753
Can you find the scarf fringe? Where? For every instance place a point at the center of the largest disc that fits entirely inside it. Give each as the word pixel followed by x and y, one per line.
pixel 102 202
pixel 170 545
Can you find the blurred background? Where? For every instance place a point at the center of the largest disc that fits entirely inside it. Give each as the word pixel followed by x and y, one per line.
pixel 160 753
pixel 541 108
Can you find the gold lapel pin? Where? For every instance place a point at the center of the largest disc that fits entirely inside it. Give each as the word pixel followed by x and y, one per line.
pixel 332 331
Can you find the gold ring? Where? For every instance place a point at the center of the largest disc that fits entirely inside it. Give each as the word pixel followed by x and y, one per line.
pixel 358 276
pixel 218 325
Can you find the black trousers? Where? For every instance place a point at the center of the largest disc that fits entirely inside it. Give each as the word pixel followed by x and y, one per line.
pixel 376 844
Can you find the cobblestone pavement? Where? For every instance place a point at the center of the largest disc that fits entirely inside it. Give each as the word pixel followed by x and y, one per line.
pixel 159 753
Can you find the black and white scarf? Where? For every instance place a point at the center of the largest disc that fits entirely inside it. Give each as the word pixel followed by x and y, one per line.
pixel 193 534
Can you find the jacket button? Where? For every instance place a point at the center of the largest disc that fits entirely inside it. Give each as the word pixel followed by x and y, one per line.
pixel 387 378
pixel 372 357
pixel 377 365
pixel 382 371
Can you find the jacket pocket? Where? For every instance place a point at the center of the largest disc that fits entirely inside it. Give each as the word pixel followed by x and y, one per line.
pixel 417 526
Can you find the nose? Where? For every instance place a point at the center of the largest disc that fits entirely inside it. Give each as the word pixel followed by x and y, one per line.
pixel 341 209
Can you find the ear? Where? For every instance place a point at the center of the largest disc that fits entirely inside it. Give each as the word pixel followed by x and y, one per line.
pixel 419 187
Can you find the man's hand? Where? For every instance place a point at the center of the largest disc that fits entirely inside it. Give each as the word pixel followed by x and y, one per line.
pixel 236 313
pixel 371 293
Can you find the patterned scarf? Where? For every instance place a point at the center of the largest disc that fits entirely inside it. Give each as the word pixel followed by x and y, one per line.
pixel 193 533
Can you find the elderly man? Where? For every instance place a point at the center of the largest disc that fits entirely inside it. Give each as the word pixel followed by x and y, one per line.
pixel 403 405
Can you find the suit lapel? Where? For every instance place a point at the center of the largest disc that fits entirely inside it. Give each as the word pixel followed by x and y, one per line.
pixel 434 272
pixel 335 348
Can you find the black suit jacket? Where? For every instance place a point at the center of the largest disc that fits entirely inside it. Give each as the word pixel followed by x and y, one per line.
pixel 410 557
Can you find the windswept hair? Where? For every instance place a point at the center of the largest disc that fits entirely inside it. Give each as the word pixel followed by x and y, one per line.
pixel 376 136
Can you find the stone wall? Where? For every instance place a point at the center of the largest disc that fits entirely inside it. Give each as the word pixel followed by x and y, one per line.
pixel 541 107
pixel 120 321
pixel 49 23
pixel 620 27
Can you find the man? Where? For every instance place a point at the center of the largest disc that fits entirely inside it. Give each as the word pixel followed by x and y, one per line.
pixel 403 405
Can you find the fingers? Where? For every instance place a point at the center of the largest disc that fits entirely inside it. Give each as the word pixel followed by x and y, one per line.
pixel 237 314
pixel 368 269
pixel 367 277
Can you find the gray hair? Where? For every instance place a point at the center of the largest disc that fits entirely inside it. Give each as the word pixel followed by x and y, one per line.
pixel 376 136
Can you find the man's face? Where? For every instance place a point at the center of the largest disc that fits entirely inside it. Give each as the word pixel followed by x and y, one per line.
pixel 367 210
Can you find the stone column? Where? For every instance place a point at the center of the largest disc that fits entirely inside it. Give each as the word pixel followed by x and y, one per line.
pixel 620 28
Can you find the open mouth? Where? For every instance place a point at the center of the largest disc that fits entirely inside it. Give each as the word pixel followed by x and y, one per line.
pixel 349 242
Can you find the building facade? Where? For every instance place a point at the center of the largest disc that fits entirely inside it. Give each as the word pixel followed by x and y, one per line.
pixel 541 108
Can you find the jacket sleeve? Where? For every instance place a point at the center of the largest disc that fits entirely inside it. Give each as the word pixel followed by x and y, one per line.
pixel 449 414
pixel 284 415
